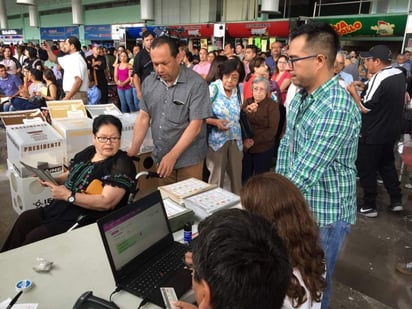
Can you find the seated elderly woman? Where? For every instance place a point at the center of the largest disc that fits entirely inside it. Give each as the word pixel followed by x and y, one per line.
pixel 100 178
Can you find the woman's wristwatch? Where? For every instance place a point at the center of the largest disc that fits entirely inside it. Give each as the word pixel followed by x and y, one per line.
pixel 72 198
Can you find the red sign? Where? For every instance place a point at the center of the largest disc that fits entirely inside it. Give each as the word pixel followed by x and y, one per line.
pixel 264 28
pixel 195 30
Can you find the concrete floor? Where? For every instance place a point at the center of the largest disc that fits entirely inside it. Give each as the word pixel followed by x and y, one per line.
pixel 364 277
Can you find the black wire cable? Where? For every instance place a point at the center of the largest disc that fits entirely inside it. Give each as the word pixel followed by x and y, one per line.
pixel 142 303
pixel 114 292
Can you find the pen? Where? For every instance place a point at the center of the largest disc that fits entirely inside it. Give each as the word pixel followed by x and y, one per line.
pixel 14 300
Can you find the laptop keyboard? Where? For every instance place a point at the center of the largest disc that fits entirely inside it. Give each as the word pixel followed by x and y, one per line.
pixel 150 279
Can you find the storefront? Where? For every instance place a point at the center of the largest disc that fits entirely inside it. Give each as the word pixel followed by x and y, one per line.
pixel 363 32
pixel 260 34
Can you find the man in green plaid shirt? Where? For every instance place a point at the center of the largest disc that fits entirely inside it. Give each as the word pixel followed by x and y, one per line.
pixel 319 149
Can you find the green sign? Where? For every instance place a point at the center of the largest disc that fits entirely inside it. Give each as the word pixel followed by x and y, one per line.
pixel 377 25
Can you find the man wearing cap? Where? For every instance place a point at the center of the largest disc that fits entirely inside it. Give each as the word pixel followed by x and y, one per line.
pixel 381 103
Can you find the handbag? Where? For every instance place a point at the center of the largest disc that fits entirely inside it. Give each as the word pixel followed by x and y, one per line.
pixel 245 126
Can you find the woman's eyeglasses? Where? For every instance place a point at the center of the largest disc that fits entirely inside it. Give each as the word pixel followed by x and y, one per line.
pixel 104 139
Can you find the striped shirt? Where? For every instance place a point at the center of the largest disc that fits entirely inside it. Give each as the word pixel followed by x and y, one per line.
pixel 319 150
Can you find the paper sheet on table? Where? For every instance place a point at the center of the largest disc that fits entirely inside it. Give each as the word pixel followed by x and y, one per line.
pixel 5 303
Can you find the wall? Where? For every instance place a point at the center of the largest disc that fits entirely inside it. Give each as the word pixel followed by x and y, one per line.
pixel 127 14
pixel 172 12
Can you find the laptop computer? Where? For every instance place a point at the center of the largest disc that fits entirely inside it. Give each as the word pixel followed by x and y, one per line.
pixel 142 253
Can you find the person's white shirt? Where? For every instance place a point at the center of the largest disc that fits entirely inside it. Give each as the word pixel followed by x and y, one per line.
pixel 306 305
pixel 292 90
pixel 74 65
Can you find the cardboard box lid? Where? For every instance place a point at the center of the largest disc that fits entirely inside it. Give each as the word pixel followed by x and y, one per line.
pixel 73 124
pixel 21 117
pixel 103 109
pixel 33 134
pixel 66 109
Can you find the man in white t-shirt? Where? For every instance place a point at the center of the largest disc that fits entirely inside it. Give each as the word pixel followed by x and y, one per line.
pixel 75 78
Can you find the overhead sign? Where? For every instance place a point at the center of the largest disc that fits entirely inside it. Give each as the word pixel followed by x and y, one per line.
pixel 58 33
pixel 265 28
pixel 195 30
pixel 375 26
pixel 98 32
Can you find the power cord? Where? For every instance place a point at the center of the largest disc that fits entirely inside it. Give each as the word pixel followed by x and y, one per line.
pixel 114 292
pixel 142 303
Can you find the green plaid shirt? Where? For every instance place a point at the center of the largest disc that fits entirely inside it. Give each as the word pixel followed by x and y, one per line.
pixel 319 150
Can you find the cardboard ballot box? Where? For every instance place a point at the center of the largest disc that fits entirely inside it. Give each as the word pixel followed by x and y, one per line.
pixel 69 118
pixel 22 117
pixel 128 122
pixel 26 192
pixel 36 144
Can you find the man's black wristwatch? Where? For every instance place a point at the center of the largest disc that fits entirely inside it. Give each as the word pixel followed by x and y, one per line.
pixel 72 198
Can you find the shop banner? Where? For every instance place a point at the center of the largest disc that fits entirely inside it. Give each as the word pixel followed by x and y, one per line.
pixel 371 26
pixel 11 35
pixel 264 29
pixel 58 33
pixel 136 32
pixel 98 32
pixel 196 30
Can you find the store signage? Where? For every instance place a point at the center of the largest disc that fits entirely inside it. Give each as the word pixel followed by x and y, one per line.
pixel 11 32
pixel 196 30
pixel 266 29
pixel 376 26
pixel 58 33
pixel 98 32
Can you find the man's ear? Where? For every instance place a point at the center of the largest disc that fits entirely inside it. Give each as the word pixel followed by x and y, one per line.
pixel 204 293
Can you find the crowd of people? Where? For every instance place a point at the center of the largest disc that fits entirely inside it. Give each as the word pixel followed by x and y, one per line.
pixel 316 115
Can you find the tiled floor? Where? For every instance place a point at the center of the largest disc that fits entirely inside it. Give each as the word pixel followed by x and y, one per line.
pixel 364 277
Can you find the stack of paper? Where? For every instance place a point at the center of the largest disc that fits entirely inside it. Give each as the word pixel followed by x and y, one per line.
pixel 180 190
pixel 206 203
pixel 178 215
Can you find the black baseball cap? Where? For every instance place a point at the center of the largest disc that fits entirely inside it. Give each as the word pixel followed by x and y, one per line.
pixel 378 52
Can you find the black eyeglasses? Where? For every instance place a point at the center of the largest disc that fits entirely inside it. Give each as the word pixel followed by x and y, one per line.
pixel 104 139
pixel 292 61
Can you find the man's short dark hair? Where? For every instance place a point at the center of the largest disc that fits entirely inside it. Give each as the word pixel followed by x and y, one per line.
pixel 232 44
pixel 173 44
pixel 2 66
pixel 252 47
pixel 146 33
pixel 321 38
pixel 242 259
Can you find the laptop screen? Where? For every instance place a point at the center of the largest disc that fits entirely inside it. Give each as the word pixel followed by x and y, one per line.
pixel 130 234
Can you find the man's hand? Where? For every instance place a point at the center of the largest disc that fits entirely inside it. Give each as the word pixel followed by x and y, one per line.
pixel 183 305
pixel 222 124
pixel 166 165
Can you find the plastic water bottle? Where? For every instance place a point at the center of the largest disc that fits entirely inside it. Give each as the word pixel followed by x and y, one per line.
pixel 187 233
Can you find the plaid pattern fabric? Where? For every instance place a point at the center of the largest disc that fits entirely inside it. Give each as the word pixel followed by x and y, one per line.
pixel 319 150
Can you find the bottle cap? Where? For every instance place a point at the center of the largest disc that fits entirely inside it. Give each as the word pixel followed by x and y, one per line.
pixel 24 285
